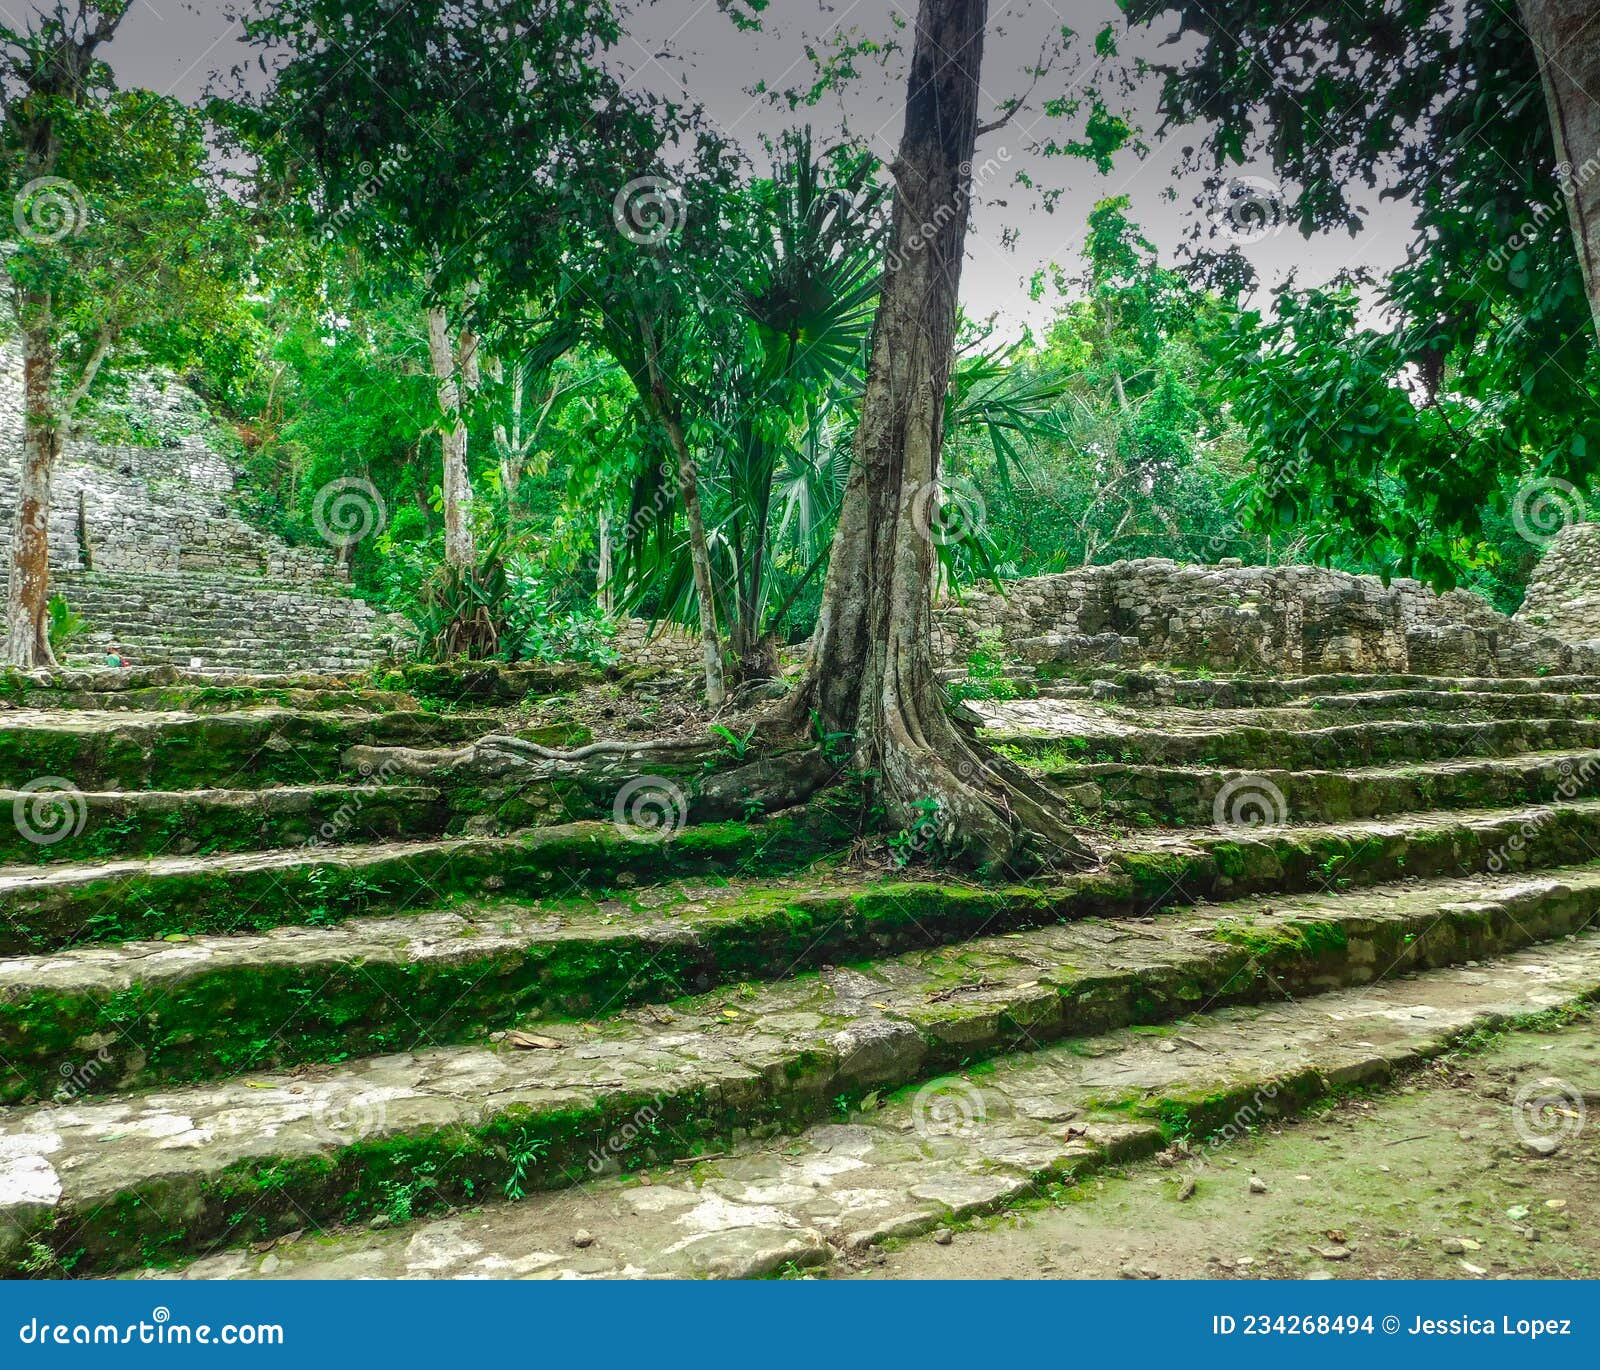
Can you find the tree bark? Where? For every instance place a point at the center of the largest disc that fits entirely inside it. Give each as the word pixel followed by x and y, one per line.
pixel 603 571
pixel 689 491
pixel 449 374
pixel 27 638
pixel 1566 39
pixel 871 672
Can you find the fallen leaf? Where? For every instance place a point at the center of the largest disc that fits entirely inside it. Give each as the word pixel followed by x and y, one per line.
pixel 529 1041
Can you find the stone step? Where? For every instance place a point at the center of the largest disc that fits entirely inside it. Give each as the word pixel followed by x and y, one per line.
pixel 1242 691
pixel 50 907
pixel 1037 728
pixel 179 751
pixel 1186 796
pixel 955 1149
pixel 192 698
pixel 137 1177
pixel 152 823
pixel 205 1006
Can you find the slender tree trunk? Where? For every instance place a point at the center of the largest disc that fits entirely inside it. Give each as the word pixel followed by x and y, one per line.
pixel 689 491
pixel 1566 38
pixel 27 638
pixel 603 572
pixel 871 669
pixel 700 556
pixel 460 549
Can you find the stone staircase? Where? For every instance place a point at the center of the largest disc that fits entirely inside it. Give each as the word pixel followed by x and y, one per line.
pixel 269 1008
pixel 178 576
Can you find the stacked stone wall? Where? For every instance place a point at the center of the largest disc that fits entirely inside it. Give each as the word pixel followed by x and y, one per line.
pixel 1286 620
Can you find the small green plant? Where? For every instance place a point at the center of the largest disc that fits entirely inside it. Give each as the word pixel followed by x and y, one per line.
pixel 835 746
pixel 921 836
pixel 523 1155
pixel 734 745
pixel 988 676
pixel 65 627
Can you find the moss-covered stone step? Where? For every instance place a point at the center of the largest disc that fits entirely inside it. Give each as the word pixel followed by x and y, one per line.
pixel 149 823
pixel 49 907
pixel 254 747
pixel 1186 796
pixel 965 1145
pixel 208 1006
pixel 1235 691
pixel 1064 736
pixel 1492 704
pixel 143 1178
pixel 211 699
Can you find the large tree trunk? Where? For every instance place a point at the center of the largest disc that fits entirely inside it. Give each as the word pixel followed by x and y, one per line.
pixel 1566 37
pixel 871 670
pixel 450 371
pixel 27 636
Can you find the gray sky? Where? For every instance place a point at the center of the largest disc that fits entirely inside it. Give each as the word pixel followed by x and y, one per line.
pixel 179 46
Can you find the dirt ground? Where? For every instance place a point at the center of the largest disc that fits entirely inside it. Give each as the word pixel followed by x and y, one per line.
pixel 1432 1181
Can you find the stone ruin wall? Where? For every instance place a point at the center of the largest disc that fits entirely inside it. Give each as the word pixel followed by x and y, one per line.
pixel 158 508
pixel 1284 620
pixel 1564 591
